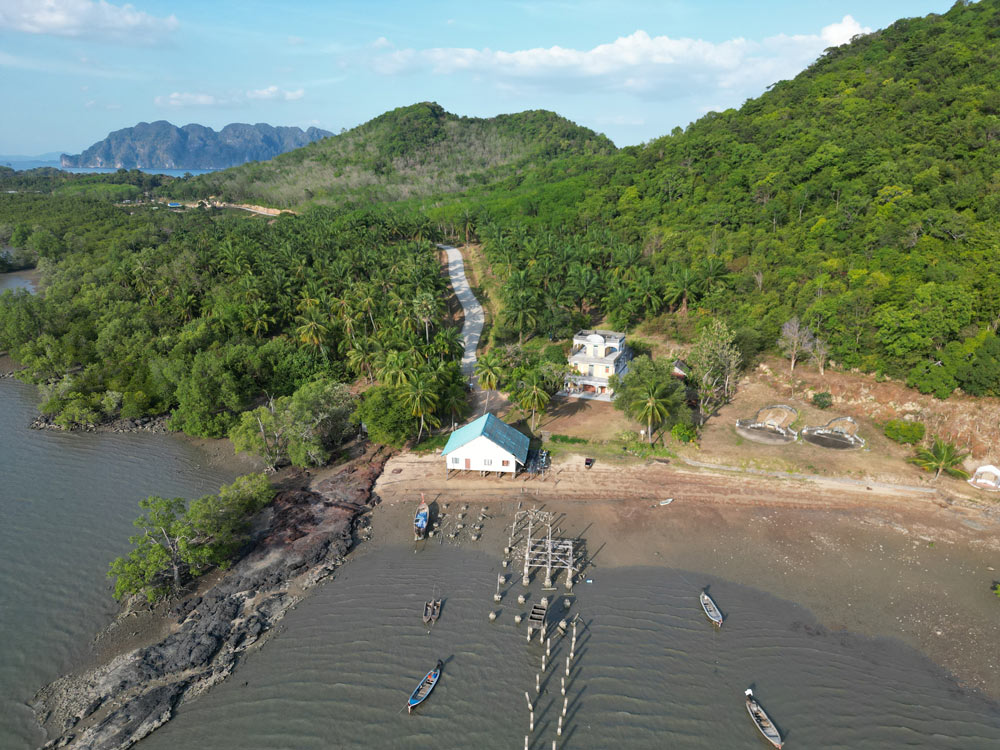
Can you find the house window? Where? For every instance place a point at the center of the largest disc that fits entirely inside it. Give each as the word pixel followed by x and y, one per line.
pixel 487 462
pixel 505 463
pixel 454 460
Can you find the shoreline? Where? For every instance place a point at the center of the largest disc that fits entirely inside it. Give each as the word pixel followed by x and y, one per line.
pixel 877 562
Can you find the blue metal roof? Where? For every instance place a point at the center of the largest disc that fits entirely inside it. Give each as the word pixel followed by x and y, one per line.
pixel 508 438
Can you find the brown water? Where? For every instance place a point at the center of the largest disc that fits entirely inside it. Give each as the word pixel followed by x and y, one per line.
pixel 650 671
pixel 67 502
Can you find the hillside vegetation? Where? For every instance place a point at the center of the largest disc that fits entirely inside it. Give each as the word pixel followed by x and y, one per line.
pixel 859 201
pixel 412 151
pixel 862 197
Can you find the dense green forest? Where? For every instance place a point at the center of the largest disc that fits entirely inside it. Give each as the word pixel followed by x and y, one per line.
pixel 419 150
pixel 860 198
pixel 207 315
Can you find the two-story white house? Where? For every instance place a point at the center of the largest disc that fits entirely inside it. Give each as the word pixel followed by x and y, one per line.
pixel 595 357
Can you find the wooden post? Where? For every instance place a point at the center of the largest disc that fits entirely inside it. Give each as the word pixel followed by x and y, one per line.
pixel 526 578
pixel 563 680
pixel 527 698
pixel 538 682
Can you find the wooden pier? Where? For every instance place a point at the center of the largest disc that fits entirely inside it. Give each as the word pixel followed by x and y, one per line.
pixel 543 551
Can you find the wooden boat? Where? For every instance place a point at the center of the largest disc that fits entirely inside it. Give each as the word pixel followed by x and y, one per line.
pixel 762 720
pixel 708 604
pixel 421 520
pixel 424 688
pixel 432 610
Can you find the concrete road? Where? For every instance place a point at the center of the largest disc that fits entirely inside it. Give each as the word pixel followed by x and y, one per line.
pixel 472 329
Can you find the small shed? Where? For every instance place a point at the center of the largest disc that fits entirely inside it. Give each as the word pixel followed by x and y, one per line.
pixel 487 444
pixel 986 478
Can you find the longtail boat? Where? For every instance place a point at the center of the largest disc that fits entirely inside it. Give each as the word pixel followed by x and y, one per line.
pixel 421 520
pixel 424 688
pixel 432 610
pixel 762 720
pixel 708 604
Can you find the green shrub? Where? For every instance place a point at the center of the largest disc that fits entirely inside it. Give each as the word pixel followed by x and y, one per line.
pixel 568 439
pixel 902 431
pixel 684 433
pixel 822 400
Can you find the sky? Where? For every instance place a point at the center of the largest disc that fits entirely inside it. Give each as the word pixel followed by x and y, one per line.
pixel 71 71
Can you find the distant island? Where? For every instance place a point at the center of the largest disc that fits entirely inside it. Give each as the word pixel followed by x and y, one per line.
pixel 161 145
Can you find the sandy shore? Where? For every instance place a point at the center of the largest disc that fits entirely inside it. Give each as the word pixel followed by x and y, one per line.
pixel 879 561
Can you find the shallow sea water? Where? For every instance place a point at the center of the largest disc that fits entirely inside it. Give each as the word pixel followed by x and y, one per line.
pixel 67 502
pixel 650 671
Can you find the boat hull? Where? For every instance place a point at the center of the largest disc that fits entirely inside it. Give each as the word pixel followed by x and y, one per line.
pixel 424 688
pixel 712 612
pixel 421 520
pixel 762 721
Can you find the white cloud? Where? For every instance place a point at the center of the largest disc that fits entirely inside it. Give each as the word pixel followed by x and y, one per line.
pixel 651 66
pixel 837 34
pixel 83 18
pixel 382 43
pixel 179 100
pixel 273 93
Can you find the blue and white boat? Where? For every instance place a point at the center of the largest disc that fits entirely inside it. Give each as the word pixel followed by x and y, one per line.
pixel 421 520
pixel 425 687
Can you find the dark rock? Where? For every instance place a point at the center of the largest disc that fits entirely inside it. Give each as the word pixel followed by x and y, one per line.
pixel 307 535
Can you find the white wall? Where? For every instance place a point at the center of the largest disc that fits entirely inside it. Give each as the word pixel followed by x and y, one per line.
pixel 483 455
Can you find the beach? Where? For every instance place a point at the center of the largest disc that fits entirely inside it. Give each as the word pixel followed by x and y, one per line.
pixel 881 562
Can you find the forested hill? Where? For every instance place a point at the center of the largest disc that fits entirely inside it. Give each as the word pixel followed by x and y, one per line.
pixel 160 145
pixel 412 151
pixel 863 197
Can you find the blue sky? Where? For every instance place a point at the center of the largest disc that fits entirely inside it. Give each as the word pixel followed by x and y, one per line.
pixel 73 70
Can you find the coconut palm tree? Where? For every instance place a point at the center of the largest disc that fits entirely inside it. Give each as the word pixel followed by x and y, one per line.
pixel 533 395
pixel 941 457
pixel 420 398
pixel 455 401
pixel 488 371
pixel 654 404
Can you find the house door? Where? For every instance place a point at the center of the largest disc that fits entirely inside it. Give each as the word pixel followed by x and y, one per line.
pixel 590 369
pixel 468 463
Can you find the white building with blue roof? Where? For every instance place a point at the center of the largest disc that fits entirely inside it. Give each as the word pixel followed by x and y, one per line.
pixel 487 444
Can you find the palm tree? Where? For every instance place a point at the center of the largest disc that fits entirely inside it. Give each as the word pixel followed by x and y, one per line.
pixel 448 344
pixel 654 404
pixel 420 397
pixel 426 309
pixel 455 401
pixel 941 456
pixel 682 285
pixel 533 395
pixel 310 330
pixel 488 370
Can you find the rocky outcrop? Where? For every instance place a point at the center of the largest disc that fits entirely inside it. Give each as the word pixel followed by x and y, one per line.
pixel 139 424
pixel 304 535
pixel 161 145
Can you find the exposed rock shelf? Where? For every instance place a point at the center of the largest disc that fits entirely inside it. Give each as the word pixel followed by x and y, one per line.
pixel 305 535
